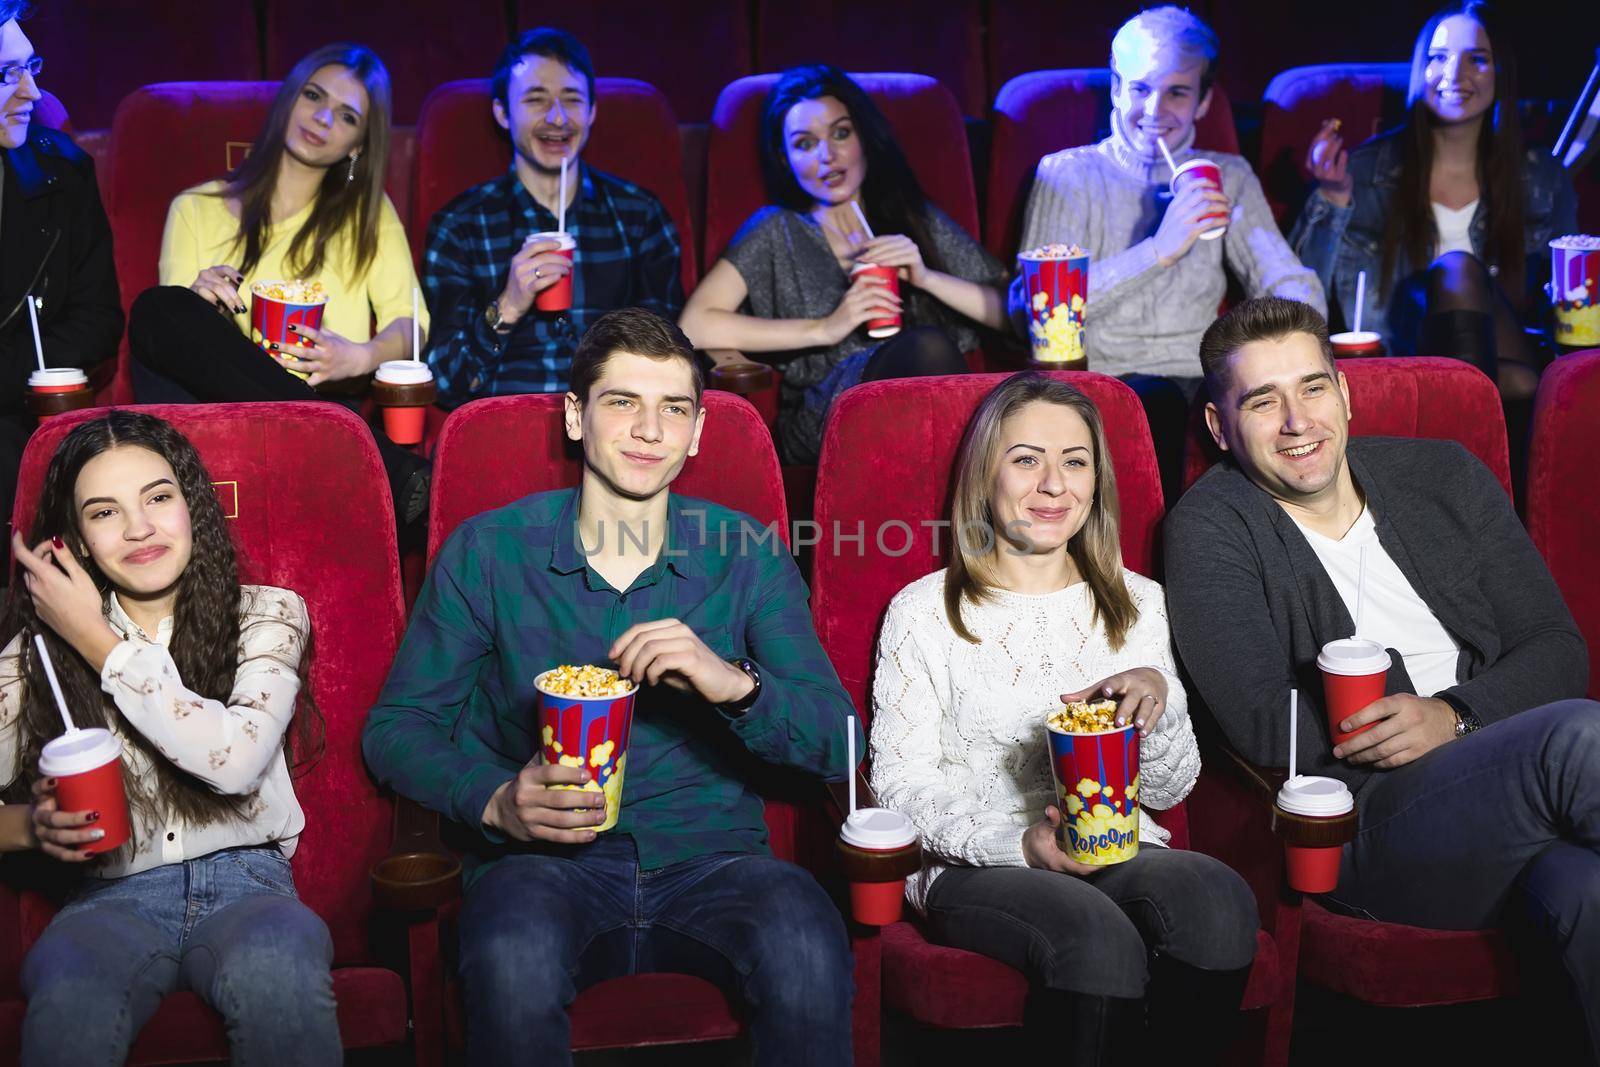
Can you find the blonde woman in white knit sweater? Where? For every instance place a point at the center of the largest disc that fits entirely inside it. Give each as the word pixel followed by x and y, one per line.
pixel 1036 608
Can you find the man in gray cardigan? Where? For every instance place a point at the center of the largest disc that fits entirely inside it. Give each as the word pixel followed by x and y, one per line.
pixel 1479 785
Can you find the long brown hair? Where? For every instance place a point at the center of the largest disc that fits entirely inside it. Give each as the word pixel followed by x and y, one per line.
pixel 1410 228
pixel 1096 549
pixel 346 207
pixel 205 632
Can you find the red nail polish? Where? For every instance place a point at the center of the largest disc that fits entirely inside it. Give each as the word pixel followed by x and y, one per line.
pixel 49 783
pixel 58 542
pixel 293 328
pixel 94 816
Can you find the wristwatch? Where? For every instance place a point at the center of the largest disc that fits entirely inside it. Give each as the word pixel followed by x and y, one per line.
pixel 491 316
pixel 1466 722
pixel 744 703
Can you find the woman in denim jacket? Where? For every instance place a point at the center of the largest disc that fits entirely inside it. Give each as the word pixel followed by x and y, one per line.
pixel 1448 214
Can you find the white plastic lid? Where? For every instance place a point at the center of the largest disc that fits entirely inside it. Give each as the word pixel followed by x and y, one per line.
pixel 78 752
pixel 564 240
pixel 57 376
pixel 404 372
pixel 1317 797
pixel 878 828
pixel 1354 337
pixel 1352 656
pixel 859 267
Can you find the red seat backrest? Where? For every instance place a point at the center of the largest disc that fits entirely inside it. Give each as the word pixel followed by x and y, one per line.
pixel 1363 96
pixel 653 42
pixel 635 138
pixel 1418 396
pixel 1563 513
pixel 326 531
pixel 1047 110
pixel 888 461
pixel 98 51
pixel 926 121
pixel 421 42
pixel 1029 35
pixel 943 42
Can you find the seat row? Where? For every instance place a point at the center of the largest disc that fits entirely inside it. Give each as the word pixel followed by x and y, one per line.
pixel 494 451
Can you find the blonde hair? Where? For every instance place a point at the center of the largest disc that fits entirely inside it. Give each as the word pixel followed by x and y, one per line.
pixel 1170 28
pixel 1096 549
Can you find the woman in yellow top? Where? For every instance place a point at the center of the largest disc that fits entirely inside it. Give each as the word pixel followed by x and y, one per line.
pixel 307 203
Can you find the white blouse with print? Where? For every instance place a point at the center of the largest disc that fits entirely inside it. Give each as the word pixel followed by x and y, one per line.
pixel 235 748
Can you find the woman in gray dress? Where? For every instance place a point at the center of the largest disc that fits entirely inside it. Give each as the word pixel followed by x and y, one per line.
pixel 783 290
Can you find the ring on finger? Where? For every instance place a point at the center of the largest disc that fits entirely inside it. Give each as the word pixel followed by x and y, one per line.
pixel 538 272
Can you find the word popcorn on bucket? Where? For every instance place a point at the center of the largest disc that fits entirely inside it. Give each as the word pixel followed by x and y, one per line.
pixel 1096 769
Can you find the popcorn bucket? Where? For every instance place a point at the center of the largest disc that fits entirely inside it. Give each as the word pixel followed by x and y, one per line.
pixel 587 732
pixel 276 304
pixel 1097 790
pixel 1056 280
pixel 1575 289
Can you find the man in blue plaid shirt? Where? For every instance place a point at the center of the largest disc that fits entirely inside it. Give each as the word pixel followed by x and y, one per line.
pixel 481 273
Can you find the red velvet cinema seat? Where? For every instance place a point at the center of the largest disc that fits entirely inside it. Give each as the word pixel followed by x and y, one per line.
pixel 1362 96
pixel 1045 111
pixel 635 137
pixel 944 42
pixel 277 506
pixel 1563 512
pixel 886 461
pixel 498 450
pixel 1376 963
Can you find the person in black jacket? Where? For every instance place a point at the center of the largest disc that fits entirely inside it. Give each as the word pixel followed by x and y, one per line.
pixel 1478 784
pixel 55 245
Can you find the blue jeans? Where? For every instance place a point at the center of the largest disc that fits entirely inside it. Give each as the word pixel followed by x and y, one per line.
pixel 537 928
pixel 227 926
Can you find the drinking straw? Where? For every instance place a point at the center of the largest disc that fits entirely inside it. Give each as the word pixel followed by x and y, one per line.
pixel 865 225
pixel 55 686
pixel 1361 295
pixel 1168 153
pixel 416 325
pixel 850 747
pixel 33 318
pixel 1294 707
pixel 1361 585
pixel 561 201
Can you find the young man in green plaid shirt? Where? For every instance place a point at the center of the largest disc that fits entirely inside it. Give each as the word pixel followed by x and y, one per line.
pixel 712 624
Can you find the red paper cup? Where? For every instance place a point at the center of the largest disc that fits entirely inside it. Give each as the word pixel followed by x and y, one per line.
pixel 1313 867
pixel 1057 287
pixel 87 766
pixel 1354 672
pixel 1096 778
pixel 1313 870
pixel 403 426
pixel 404 388
pixel 877 903
pixel 1202 170
pixel 56 390
pixel 880 848
pixel 588 732
pixel 271 316
pixel 1575 289
pixel 559 296
pixel 1353 343
pixel 889 325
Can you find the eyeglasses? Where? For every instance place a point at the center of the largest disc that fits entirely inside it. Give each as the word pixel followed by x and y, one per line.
pixel 11 73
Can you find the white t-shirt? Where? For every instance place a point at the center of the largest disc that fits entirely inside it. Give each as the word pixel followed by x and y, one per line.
pixel 1393 614
pixel 1455 227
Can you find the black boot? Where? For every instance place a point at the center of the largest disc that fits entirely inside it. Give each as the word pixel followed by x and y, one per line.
pixel 1194 1013
pixel 1082 1029
pixel 1463 335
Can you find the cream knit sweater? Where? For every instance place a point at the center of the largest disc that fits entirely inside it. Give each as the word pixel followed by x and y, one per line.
pixel 958 739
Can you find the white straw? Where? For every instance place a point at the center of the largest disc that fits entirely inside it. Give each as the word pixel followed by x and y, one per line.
pixel 33 317
pixel 416 324
pixel 1294 708
pixel 1361 296
pixel 561 202
pixel 1361 587
pixel 1167 152
pixel 850 771
pixel 55 686
pixel 865 225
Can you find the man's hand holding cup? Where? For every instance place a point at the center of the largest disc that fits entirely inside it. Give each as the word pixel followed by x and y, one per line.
pixel 536 267
pixel 667 651
pixel 1406 728
pixel 1193 211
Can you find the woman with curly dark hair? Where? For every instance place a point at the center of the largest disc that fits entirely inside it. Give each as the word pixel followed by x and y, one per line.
pixel 130 577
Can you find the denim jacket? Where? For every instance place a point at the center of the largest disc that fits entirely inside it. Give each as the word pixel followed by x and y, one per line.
pixel 1338 242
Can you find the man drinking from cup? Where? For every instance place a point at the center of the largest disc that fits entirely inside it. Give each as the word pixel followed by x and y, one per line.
pixel 513 294
pixel 1477 775
pixel 730 677
pixel 1154 281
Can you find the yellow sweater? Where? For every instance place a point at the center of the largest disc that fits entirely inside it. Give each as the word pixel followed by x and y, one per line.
pixel 200 233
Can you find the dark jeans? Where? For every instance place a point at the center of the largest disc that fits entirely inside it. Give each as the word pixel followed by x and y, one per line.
pixel 537 929
pixel 1095 934
pixel 1500 825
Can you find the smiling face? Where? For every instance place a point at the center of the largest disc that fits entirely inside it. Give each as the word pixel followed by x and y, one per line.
pixel 550 112
pixel 1458 81
pixel 133 519
pixel 1045 477
pixel 1157 92
pixel 1285 416
pixel 16 101
pixel 638 425
pixel 329 119
pixel 824 151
